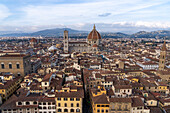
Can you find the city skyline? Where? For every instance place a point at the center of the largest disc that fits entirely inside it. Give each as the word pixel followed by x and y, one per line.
pixel 109 15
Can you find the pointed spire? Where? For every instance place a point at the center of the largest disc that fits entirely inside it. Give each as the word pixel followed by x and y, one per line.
pixel 164 45
pixel 94 27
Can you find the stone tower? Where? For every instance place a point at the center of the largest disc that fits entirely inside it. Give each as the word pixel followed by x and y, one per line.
pixel 65 41
pixel 162 58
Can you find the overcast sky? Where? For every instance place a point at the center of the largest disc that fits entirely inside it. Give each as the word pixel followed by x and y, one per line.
pixel 108 15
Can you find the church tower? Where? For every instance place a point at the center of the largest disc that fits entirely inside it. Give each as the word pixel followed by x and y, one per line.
pixel 162 58
pixel 65 41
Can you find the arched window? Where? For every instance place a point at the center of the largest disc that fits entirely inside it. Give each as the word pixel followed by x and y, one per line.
pixel 17 65
pixel 34 102
pixel 102 110
pixel 72 110
pixel 71 104
pixel 98 110
pixel 65 110
pixel 19 103
pixel 59 110
pixel 77 110
pixel 27 103
pixel 19 74
pixel 2 66
pixel 10 65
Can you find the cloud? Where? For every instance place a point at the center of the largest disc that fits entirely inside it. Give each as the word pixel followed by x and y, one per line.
pixel 72 13
pixel 80 14
pixel 126 27
pixel 104 14
pixel 4 12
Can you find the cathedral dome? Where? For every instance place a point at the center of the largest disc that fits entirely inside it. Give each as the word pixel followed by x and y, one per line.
pixel 33 40
pixel 94 34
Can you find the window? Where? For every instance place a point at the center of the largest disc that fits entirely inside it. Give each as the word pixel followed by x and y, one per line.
pixel 77 99
pixel 72 110
pixel 71 99
pixel 98 110
pixel 10 66
pixel 65 110
pixel 65 99
pixel 18 66
pixel 19 74
pixel 77 110
pixel 102 110
pixel 2 66
pixel 77 104
pixel 107 105
pixel 44 103
pixel 65 104
pixel 71 104
pixel 59 110
pixel 35 102
pixel 59 104
pixel 107 111
pixel 27 103
pixel 58 98
pixel 19 103
pixel 98 105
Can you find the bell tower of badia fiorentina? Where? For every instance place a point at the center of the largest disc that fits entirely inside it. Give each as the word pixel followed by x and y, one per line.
pixel 162 58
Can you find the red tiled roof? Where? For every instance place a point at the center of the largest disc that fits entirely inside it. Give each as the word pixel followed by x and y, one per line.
pixel 94 34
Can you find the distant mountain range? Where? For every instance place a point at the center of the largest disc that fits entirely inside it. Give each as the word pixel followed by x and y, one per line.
pixel 57 32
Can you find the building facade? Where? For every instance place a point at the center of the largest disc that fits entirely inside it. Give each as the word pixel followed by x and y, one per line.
pixel 92 44
pixel 18 64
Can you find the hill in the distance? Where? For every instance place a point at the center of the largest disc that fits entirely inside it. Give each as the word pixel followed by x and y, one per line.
pixel 57 32
pixel 48 32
